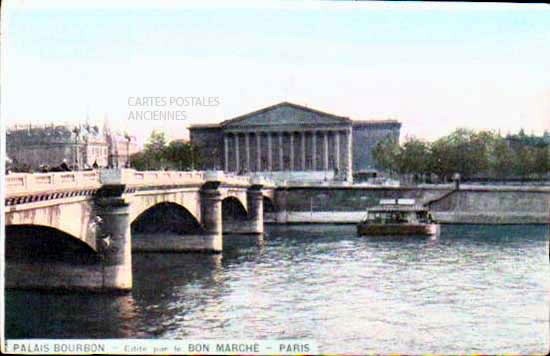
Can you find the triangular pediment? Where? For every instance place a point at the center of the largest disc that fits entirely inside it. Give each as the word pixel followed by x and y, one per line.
pixel 285 114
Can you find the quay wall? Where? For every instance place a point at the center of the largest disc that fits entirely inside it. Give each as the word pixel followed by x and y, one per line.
pixel 494 206
pixel 469 205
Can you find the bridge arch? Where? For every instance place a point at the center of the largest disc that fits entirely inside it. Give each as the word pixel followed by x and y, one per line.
pixel 233 209
pixel 188 200
pixel 236 194
pixel 166 217
pixel 269 206
pixel 76 219
pixel 38 243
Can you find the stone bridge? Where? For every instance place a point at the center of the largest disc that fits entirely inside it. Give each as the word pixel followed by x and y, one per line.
pixel 104 215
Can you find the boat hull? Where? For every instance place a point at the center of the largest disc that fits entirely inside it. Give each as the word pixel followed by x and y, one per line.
pixel 397 229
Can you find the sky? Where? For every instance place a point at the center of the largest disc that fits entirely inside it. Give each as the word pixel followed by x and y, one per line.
pixel 432 66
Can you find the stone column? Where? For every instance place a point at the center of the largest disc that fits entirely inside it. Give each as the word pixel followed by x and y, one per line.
pixel 255 205
pixel 303 138
pixel 325 145
pixel 211 216
pixel 337 150
pixel 236 152
pixel 269 152
pixel 291 151
pixel 258 152
pixel 114 238
pixel 226 148
pixel 247 148
pixel 314 153
pixel 281 163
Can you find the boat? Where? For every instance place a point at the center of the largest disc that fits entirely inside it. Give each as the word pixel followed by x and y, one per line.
pixel 398 217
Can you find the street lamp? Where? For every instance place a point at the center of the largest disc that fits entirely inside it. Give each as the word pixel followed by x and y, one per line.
pixel 128 138
pixel 76 131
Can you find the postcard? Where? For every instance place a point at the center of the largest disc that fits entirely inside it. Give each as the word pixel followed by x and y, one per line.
pixel 275 177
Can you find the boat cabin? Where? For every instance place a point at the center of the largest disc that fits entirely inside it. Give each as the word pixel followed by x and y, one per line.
pixel 398 211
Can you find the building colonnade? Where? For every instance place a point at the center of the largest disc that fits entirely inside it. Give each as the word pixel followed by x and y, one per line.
pixel 290 150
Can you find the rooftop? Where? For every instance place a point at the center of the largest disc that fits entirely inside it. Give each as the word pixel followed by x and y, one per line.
pixel 300 107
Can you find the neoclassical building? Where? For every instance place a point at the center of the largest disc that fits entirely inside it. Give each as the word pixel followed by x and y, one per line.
pixel 293 142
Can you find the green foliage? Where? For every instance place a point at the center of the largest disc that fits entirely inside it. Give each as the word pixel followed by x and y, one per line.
pixel 413 157
pixel 158 155
pixel 521 139
pixel 503 160
pixel 386 154
pixel 182 154
pixel 470 153
pixel 541 160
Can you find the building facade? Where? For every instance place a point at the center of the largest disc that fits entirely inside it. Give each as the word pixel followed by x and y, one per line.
pixel 79 146
pixel 292 142
pixel 33 146
pixel 367 134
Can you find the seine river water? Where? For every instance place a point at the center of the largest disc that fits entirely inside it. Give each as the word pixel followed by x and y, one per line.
pixel 476 289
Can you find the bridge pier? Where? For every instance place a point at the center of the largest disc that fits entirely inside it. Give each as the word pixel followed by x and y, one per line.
pixel 254 222
pixel 114 240
pixel 211 217
pixel 255 202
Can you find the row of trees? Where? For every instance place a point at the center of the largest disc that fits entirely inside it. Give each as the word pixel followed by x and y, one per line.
pixel 158 154
pixel 470 153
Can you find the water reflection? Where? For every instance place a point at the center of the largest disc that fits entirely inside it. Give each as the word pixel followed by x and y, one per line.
pixel 465 292
pixel 49 314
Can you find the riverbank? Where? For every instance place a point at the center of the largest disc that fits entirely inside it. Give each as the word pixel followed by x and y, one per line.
pixel 472 204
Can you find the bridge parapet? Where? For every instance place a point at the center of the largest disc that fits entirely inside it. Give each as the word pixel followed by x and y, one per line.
pixel 234 180
pixel 133 178
pixel 266 182
pixel 29 183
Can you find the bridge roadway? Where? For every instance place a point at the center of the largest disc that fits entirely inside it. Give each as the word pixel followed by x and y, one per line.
pixel 98 207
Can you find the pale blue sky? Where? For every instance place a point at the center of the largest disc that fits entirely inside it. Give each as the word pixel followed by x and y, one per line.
pixel 432 66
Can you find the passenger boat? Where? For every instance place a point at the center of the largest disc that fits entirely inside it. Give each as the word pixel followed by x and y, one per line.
pixel 398 217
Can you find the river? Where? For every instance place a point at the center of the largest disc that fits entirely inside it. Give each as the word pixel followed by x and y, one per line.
pixel 475 289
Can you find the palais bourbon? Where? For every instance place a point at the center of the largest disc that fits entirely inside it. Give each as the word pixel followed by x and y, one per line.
pixel 292 142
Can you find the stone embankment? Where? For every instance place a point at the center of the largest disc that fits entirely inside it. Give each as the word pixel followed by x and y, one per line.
pixel 471 204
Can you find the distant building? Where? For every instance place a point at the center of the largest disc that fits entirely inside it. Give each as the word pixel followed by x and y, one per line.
pixel 294 142
pixel 366 135
pixel 80 146
pixel 121 147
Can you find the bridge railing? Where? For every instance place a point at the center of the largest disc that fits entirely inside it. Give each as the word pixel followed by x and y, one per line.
pixel 145 178
pixel 135 178
pixel 28 183
pixel 233 179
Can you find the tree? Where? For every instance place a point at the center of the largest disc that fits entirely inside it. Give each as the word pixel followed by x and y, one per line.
pixel 156 145
pixel 463 151
pixel 502 160
pixel 181 154
pixel 153 157
pixel 414 157
pixel 386 154
pixel 177 155
pixel 442 161
pixel 140 161
pixel 525 161
pixel 541 161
